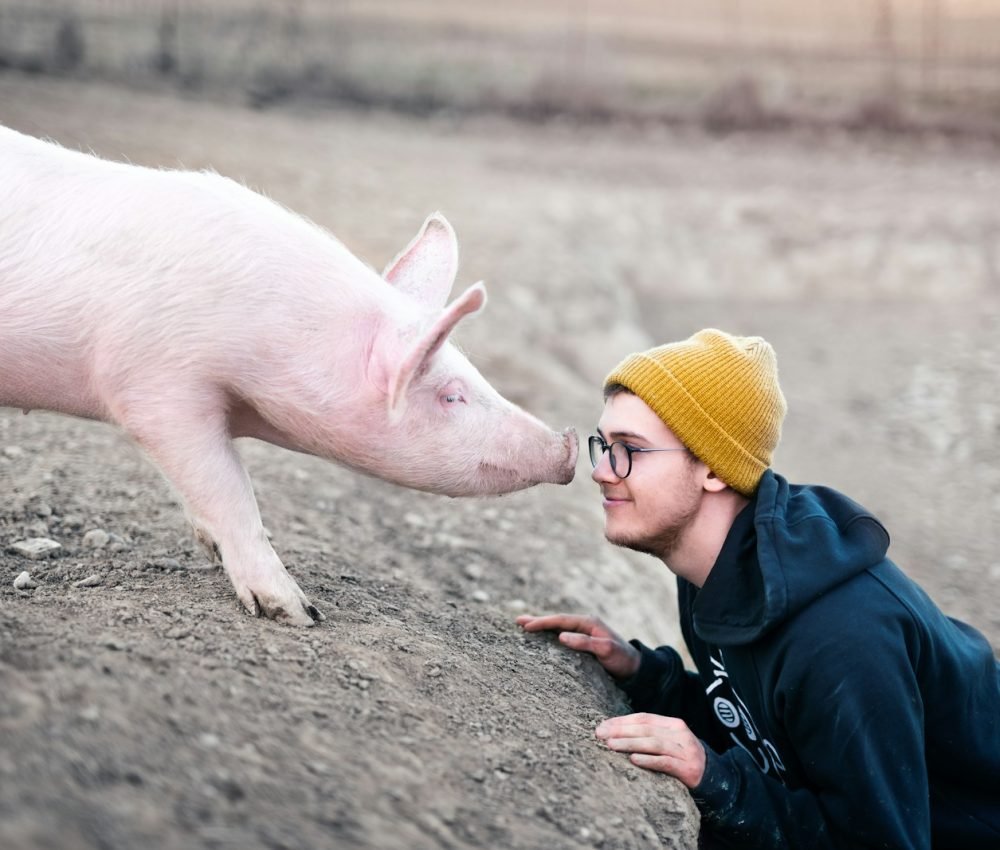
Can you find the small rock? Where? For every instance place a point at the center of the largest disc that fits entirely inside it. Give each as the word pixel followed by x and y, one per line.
pixel 89 581
pixel 24 582
pixel 166 564
pixel 480 596
pixel 473 571
pixel 35 548
pixel 13 452
pixel 452 541
pixel 43 509
pixel 110 642
pixel 96 538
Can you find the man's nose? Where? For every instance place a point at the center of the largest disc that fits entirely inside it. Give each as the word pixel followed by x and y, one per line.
pixel 603 471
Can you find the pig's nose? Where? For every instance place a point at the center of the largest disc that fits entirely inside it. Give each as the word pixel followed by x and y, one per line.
pixel 572 447
pixel 572 450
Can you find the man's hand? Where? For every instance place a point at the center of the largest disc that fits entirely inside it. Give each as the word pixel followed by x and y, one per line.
pixel 663 744
pixel 588 634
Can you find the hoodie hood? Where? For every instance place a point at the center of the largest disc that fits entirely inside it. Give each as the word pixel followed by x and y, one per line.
pixel 790 545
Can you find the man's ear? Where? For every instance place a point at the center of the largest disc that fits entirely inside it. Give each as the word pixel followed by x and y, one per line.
pixel 418 357
pixel 426 268
pixel 712 483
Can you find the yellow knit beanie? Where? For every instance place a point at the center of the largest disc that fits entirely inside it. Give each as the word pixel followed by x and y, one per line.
pixel 719 394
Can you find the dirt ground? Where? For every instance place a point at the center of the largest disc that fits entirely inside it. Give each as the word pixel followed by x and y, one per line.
pixel 147 709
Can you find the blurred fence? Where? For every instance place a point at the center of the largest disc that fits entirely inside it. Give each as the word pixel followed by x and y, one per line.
pixel 722 62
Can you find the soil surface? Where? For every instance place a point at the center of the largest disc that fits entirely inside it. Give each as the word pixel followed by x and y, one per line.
pixel 140 706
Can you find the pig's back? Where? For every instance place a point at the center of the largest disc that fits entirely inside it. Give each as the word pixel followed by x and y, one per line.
pixel 108 268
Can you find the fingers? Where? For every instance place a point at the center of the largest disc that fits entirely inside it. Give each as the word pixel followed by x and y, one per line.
pixel 637 725
pixel 661 764
pixel 599 646
pixel 651 745
pixel 663 744
pixel 560 622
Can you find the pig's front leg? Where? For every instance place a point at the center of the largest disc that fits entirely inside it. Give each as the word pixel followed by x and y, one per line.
pixel 198 458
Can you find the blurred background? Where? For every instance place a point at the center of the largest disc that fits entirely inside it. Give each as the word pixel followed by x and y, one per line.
pixel 725 63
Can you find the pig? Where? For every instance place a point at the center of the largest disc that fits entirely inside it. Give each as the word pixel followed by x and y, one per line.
pixel 189 311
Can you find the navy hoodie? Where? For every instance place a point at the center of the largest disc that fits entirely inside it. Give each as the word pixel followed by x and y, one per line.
pixel 838 705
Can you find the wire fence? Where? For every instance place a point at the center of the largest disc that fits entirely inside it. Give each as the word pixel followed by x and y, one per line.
pixel 722 62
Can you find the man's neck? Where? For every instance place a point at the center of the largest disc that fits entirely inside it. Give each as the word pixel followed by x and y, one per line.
pixel 697 551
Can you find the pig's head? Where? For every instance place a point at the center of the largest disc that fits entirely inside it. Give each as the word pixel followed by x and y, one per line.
pixel 435 423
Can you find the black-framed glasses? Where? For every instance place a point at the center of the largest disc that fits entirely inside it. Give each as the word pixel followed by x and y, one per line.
pixel 619 454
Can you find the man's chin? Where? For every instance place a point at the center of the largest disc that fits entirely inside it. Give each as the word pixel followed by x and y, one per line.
pixel 636 544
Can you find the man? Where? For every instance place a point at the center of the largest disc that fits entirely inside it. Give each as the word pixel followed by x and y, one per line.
pixel 834 705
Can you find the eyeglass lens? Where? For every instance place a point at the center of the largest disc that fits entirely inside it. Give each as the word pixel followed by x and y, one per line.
pixel 621 460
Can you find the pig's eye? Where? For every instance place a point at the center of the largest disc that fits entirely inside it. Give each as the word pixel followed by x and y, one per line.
pixel 453 398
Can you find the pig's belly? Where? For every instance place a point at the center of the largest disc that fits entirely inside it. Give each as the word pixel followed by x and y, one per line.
pixel 46 378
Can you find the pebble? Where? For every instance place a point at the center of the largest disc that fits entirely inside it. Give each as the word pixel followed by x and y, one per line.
pixel 24 582
pixel 13 452
pixel 89 581
pixel 96 538
pixel 43 509
pixel 35 548
pixel 166 564
pixel 480 596
pixel 473 571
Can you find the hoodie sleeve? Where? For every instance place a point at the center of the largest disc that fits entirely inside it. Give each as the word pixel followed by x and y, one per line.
pixel 662 686
pixel 851 709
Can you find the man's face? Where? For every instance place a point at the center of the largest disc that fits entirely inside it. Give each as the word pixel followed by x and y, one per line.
pixel 651 509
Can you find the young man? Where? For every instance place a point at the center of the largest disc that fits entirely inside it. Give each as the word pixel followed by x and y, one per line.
pixel 834 705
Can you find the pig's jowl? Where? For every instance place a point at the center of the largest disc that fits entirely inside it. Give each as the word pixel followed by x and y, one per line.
pixel 189 310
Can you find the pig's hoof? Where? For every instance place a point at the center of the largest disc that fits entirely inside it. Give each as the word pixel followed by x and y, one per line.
pixel 294 613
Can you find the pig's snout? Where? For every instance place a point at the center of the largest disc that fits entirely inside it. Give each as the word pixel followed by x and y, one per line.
pixel 551 463
pixel 572 444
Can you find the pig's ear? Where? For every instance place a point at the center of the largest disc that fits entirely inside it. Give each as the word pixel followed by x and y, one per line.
pixel 426 268
pixel 419 356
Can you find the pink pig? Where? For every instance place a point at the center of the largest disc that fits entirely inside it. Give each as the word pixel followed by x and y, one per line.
pixel 190 310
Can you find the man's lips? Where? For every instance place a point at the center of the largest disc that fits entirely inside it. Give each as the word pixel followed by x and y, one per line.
pixel 611 501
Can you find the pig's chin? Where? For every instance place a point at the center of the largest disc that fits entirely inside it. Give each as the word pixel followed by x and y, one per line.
pixel 494 480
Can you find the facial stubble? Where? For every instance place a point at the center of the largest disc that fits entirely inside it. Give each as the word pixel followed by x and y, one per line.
pixel 663 541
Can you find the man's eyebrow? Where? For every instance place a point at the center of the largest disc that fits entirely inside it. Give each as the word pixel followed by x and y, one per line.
pixel 622 435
